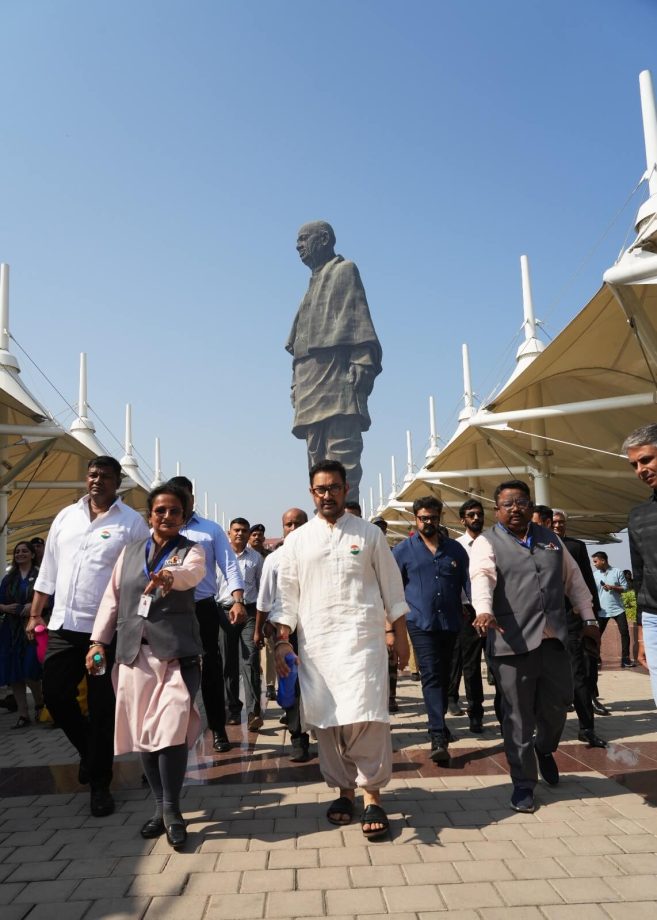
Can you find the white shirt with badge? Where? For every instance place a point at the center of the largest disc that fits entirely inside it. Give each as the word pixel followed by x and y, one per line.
pixel 79 557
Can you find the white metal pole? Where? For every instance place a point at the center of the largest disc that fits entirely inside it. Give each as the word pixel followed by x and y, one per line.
pixel 527 300
pixel 82 395
pixel 4 306
pixel 409 454
pixel 649 114
pixel 393 470
pixel 467 379
pixel 371 502
pixel 380 490
pixel 128 429
pixel 177 467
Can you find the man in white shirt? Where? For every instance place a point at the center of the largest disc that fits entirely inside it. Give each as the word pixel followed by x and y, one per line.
pixel 337 583
pixel 241 657
pixel 267 599
pixel 84 542
pixel 520 574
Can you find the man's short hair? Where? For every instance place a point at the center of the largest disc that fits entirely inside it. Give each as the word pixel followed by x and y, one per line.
pixel 241 521
pixel 183 482
pixel 600 555
pixel 561 512
pixel 544 513
pixel 430 502
pixel 328 466
pixel 111 462
pixel 647 434
pixel 470 505
pixel 38 541
pixel 354 506
pixel 516 484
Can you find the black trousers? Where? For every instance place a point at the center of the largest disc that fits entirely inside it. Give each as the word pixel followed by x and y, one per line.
pixel 536 689
pixel 466 662
pixel 580 666
pixel 623 629
pixel 241 658
pixel 212 675
pixel 298 738
pixel 63 669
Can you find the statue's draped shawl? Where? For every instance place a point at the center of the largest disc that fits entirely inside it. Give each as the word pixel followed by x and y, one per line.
pixel 334 313
pixel 332 332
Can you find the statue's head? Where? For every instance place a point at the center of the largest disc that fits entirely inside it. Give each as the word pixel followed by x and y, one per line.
pixel 316 243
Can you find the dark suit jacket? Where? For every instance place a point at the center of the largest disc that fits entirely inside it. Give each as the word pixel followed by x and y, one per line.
pixel 579 552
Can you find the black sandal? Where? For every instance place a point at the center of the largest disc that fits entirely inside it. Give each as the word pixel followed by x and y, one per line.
pixel 374 814
pixel 341 806
pixel 21 723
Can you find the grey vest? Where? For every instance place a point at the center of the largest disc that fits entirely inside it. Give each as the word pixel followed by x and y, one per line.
pixel 171 628
pixel 529 594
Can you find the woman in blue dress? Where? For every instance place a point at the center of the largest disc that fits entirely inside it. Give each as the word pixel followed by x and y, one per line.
pixel 18 662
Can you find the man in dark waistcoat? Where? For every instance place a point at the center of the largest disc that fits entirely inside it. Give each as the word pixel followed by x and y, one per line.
pixel 336 355
pixel 520 574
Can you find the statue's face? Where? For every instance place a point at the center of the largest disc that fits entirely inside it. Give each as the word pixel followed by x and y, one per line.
pixel 312 245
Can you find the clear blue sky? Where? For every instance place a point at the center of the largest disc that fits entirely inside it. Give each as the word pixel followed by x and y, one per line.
pixel 158 157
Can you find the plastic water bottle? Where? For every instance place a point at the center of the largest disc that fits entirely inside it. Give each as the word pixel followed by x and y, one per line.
pixel 286 694
pixel 41 640
pixel 99 666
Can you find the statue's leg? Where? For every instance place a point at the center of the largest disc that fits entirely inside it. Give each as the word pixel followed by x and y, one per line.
pixel 316 443
pixel 344 442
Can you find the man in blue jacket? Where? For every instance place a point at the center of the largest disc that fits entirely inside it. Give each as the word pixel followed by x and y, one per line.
pixel 434 570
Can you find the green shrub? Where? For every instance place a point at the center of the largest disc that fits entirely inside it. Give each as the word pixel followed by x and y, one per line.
pixel 629 602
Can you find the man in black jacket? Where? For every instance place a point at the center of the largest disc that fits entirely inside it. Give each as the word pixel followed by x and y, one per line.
pixel 584 664
pixel 641 449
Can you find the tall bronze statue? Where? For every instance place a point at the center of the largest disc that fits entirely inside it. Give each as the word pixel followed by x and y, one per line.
pixel 336 355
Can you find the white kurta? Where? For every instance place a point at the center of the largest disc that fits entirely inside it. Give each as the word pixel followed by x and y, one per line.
pixel 336 585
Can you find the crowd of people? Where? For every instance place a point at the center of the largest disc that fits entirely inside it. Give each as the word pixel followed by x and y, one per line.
pixel 152 613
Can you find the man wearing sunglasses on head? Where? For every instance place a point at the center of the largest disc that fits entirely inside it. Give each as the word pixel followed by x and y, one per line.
pixel 520 574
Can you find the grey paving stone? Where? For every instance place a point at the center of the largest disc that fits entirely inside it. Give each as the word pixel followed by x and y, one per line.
pixel 236 907
pixel 45 892
pixel 69 910
pixel 185 907
pixel 33 854
pixel 38 872
pixel 118 909
pixel 89 868
pixel 213 883
pixel 9 891
pixel 355 900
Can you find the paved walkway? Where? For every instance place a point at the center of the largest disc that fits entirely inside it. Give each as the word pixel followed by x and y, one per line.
pixel 260 847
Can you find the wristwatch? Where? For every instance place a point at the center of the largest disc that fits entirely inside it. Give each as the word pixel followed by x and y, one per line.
pixel 591 623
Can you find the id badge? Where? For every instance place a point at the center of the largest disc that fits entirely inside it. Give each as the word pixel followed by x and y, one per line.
pixel 145 602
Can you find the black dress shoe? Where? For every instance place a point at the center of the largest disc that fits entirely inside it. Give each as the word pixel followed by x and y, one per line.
pixel 393 705
pixel 176 834
pixel 588 736
pixel 270 693
pixel 101 802
pixel 476 726
pixel 83 773
pixel 233 720
pixel 154 827
pixel 220 743
pixel 600 709
pixel 439 750
pixel 302 755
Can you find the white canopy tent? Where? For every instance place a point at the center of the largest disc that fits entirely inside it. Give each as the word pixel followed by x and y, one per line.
pixel 561 419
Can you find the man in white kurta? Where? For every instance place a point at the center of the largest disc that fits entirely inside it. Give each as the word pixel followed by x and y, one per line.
pixel 338 582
